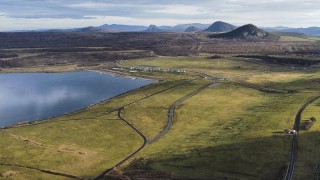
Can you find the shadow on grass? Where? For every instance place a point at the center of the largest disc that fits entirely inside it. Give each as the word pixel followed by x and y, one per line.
pixel 278 132
pixel 304 84
pixel 261 158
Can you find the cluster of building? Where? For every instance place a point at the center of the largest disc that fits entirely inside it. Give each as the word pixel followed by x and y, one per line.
pixel 152 68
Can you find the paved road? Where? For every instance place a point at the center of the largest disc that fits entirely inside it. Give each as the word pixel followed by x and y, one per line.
pixel 318 170
pixel 294 145
pixel 171 112
pixel 159 136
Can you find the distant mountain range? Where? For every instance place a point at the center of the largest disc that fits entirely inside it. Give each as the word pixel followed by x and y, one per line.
pixel 311 31
pixel 183 27
pixel 120 27
pixel 218 26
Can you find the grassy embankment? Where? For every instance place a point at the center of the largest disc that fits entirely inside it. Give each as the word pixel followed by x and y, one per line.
pixel 221 67
pixel 296 39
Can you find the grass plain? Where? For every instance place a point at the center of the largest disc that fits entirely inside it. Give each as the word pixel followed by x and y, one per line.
pixel 226 131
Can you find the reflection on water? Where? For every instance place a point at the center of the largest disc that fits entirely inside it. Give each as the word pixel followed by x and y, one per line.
pixel 34 96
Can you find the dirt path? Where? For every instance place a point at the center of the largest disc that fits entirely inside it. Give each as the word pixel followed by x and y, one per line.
pixel 160 135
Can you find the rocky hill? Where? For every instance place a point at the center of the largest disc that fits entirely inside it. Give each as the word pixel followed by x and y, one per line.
pixel 248 32
pixel 153 28
pixel 220 26
pixel 192 29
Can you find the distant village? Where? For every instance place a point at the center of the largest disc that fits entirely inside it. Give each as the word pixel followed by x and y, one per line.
pixel 153 68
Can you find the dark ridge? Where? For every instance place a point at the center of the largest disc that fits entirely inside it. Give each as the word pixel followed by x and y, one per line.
pixel 3 55
pixel 91 29
pixel 6 64
pixel 220 26
pixel 292 34
pixel 282 60
pixel 192 29
pixel 248 32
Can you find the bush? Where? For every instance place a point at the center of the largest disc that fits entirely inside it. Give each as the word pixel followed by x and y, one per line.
pixel 310 123
pixel 313 119
pixel 215 57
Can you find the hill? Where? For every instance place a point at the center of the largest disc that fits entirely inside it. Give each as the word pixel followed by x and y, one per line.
pixel 153 28
pixel 220 26
pixel 248 32
pixel 192 29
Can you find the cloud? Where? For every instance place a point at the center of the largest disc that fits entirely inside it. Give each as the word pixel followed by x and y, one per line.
pixel 181 10
pixel 65 23
pixel 90 12
pixel 91 5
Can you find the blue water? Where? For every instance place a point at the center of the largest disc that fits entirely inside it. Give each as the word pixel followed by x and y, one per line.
pixel 36 96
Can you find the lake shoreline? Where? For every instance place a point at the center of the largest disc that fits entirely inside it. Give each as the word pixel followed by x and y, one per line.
pixel 35 122
pixel 104 71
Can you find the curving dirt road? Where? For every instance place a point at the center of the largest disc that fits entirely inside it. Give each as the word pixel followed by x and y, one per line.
pixel 294 145
pixel 160 135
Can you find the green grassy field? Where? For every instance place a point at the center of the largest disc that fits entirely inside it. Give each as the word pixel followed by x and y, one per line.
pixel 238 135
pixel 150 115
pixel 80 148
pixel 308 81
pixel 239 129
pixel 223 67
pixel 295 39
pixel 315 38
pixel 225 131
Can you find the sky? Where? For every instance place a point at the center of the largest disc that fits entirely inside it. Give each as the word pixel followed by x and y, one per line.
pixel 48 14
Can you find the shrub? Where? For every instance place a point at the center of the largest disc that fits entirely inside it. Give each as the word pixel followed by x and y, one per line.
pixel 313 119
pixel 310 123
pixel 215 57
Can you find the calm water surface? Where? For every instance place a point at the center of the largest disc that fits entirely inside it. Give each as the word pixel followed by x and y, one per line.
pixel 35 96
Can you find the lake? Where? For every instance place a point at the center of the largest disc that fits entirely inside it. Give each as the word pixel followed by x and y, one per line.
pixel 36 96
